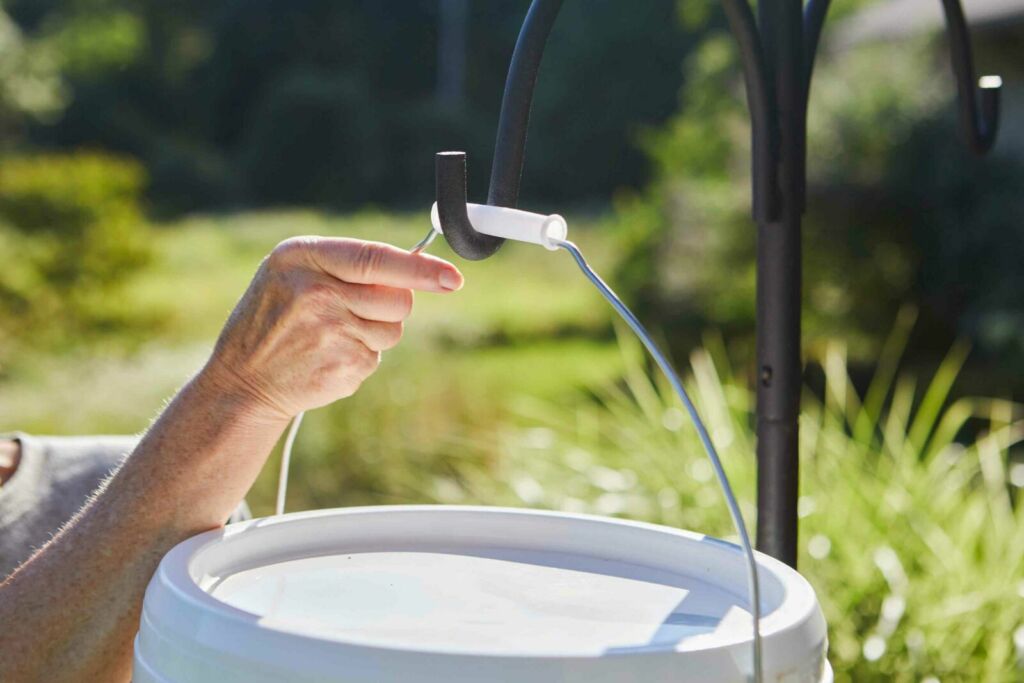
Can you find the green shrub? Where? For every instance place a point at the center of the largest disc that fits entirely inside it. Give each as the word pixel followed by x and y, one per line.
pixel 320 127
pixel 897 211
pixel 72 231
pixel 184 179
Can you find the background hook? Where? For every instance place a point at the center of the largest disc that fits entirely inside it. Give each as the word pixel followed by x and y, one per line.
pixel 979 100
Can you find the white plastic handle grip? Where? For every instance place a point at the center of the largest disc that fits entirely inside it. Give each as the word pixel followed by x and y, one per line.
pixel 512 224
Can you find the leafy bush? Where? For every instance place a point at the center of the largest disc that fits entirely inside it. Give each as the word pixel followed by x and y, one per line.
pixel 185 179
pixel 72 231
pixel 898 211
pixel 960 217
pixel 30 83
pixel 141 77
pixel 314 139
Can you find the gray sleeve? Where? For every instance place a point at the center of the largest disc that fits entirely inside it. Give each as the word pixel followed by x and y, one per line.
pixel 54 479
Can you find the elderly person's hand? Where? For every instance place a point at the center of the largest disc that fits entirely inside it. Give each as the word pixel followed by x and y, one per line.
pixel 309 330
pixel 317 316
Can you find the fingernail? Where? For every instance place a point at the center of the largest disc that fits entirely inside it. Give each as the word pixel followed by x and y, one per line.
pixel 450 280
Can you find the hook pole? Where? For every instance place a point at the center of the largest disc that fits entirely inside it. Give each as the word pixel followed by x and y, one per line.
pixel 514 120
pixel 509 146
pixel 764 130
pixel 815 12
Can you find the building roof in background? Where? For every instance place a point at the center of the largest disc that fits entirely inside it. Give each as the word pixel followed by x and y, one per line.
pixel 896 19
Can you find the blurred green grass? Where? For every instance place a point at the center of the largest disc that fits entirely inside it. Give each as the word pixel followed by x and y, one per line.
pixel 208 261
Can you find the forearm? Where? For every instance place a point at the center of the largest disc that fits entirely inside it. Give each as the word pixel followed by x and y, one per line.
pixel 187 474
pixel 308 331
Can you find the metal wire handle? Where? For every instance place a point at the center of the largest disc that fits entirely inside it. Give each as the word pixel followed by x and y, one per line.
pixel 753 586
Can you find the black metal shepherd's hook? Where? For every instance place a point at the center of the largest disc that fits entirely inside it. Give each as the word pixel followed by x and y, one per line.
pixel 777 54
pixel 513 122
pixel 979 126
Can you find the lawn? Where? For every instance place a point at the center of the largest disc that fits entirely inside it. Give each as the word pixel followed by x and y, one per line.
pixel 517 390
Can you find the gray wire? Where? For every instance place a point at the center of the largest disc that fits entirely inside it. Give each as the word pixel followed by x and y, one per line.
pixel 425 242
pixel 702 432
pixel 286 459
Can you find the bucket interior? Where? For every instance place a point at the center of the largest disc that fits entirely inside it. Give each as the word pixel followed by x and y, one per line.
pixel 476 582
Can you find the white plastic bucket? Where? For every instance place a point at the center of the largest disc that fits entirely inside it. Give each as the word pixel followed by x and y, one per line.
pixel 423 594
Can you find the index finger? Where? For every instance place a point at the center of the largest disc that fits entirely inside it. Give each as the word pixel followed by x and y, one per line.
pixel 376 263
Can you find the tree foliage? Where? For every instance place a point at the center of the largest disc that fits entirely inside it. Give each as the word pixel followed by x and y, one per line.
pixel 898 211
pixel 72 232
pixel 333 102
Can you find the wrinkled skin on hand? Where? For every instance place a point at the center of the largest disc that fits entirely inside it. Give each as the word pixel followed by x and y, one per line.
pixel 316 317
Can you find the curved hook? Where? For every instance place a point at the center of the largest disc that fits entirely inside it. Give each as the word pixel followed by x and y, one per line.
pixel 510 145
pixel 450 176
pixel 979 123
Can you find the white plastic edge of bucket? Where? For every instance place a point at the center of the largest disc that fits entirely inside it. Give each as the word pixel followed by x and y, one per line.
pixel 188 635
